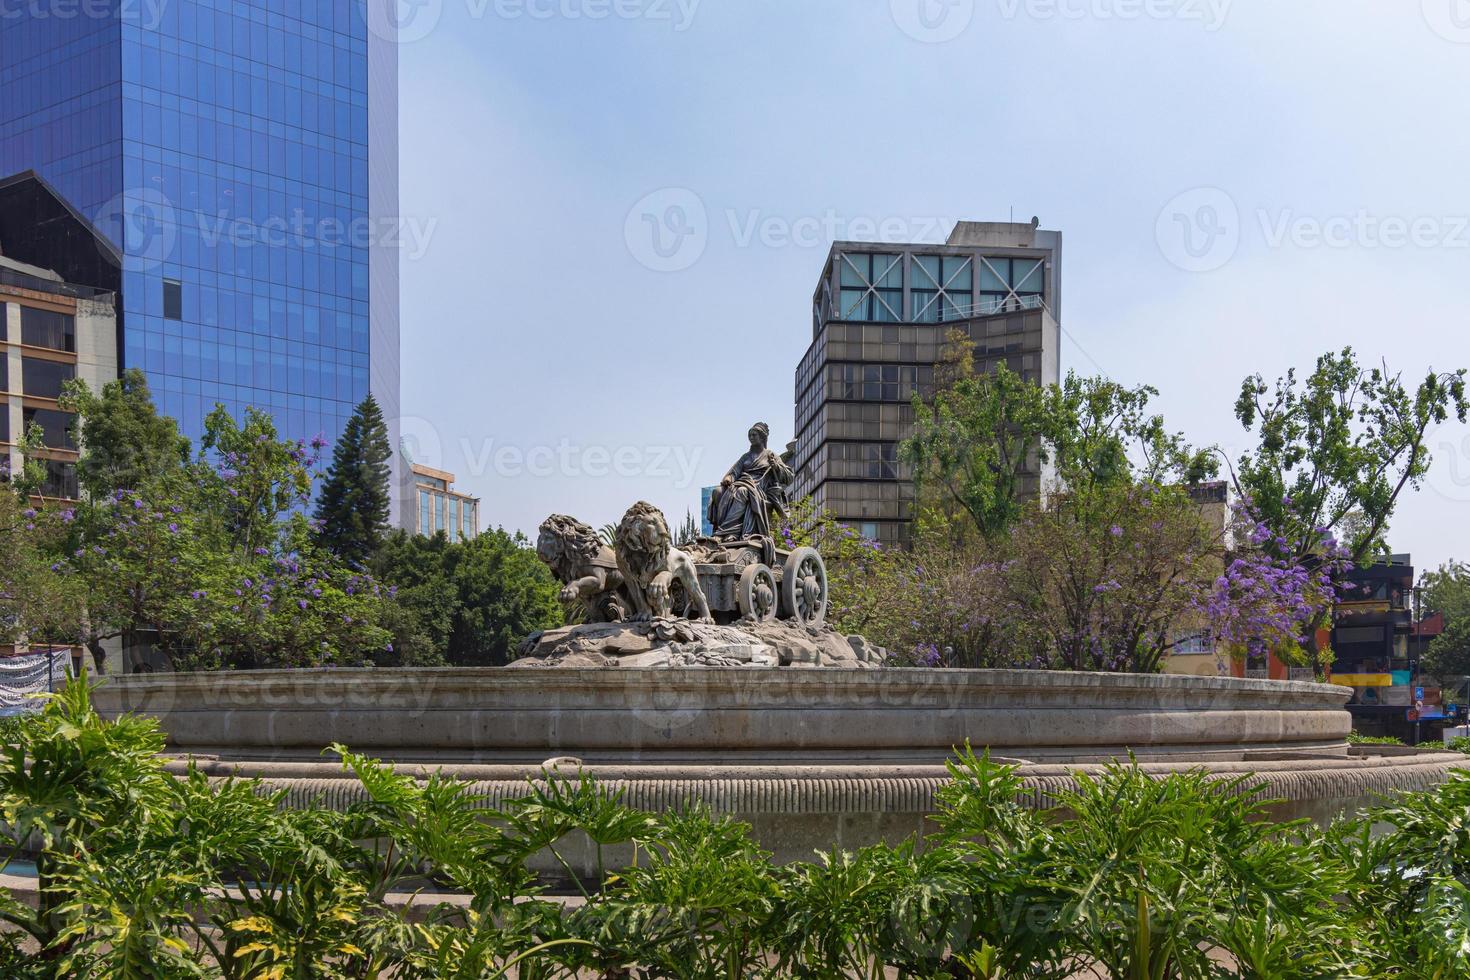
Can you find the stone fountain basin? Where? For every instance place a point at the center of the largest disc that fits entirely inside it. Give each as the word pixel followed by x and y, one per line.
pixel 729 716
pixel 810 758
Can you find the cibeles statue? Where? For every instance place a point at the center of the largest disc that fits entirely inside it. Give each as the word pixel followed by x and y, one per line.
pixel 728 599
pixel 752 493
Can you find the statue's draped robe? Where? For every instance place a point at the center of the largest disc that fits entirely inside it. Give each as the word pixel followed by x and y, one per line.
pixel 743 509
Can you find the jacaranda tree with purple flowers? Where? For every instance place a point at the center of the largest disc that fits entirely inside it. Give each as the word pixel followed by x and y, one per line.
pixel 209 559
pixel 1264 599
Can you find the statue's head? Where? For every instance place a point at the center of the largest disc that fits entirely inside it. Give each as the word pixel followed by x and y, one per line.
pixel 760 435
pixel 643 539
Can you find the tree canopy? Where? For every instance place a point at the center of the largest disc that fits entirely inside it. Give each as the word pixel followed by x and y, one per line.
pixel 1337 450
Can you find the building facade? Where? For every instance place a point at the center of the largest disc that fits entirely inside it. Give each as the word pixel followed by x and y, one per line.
pixel 1371 631
pixel 880 316
pixel 242 157
pixel 51 332
pixel 439 507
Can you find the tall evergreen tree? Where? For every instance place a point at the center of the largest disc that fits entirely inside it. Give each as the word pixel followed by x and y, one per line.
pixel 353 506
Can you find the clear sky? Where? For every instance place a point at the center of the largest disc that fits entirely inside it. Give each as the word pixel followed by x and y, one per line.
pixel 620 208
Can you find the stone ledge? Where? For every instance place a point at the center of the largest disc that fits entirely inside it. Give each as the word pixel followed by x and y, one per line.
pixel 850 790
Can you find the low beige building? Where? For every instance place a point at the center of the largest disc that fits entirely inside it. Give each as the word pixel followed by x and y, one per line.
pixel 439 507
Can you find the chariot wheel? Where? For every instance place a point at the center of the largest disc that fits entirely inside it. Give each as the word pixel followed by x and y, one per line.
pixel 757 593
pixel 804 587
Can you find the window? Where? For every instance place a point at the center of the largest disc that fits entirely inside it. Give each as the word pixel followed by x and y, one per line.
pixel 46 328
pixel 4 322
pixel 1194 642
pixel 55 426
pixel 5 426
pixel 173 299
pixel 425 522
pixel 4 369
pixel 871 287
pixel 942 286
pixel 469 519
pixel 61 480
pixel 438 514
pixel 44 379
pixel 454 530
pixel 869 530
pixel 1011 284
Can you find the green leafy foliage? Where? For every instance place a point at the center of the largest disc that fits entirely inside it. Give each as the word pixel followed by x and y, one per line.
pixel 1337 450
pixel 466 602
pixel 1358 738
pixel 125 443
pixel 1447 592
pixel 978 447
pixel 147 873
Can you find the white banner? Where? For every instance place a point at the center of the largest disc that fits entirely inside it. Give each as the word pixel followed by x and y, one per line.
pixel 31 673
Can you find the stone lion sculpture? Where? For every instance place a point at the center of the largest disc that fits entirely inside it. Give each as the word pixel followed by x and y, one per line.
pixel 586 569
pixel 651 565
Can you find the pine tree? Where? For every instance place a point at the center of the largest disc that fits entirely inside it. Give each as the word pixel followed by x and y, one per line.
pixel 353 506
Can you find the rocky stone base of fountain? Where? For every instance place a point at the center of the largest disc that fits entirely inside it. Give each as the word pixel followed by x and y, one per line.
pixel 679 643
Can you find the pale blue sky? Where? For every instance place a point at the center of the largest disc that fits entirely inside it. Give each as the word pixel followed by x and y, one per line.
pixel 1323 141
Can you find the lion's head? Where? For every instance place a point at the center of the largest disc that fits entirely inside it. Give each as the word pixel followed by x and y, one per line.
pixel 643 540
pixel 567 545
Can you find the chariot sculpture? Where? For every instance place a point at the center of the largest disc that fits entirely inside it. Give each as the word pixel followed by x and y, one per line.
pixel 735 575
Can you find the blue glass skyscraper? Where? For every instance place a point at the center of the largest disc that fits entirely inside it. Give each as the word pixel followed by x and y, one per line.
pixel 243 156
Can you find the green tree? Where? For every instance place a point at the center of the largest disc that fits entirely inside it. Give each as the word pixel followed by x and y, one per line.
pixel 984 443
pixel 505 593
pixel 468 602
pixel 353 504
pixel 971 449
pixel 688 530
pixel 252 477
pixel 213 561
pixel 1106 577
pixel 125 444
pixel 421 615
pixel 1337 451
pixel 1447 591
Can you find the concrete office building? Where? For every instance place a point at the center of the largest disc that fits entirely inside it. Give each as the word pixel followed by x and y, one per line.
pixel 51 331
pixel 880 316
pixel 242 158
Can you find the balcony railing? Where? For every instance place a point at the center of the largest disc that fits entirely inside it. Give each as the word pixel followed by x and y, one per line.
pixel 991 307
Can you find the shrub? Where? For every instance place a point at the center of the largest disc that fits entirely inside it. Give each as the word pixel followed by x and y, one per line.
pixel 1358 738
